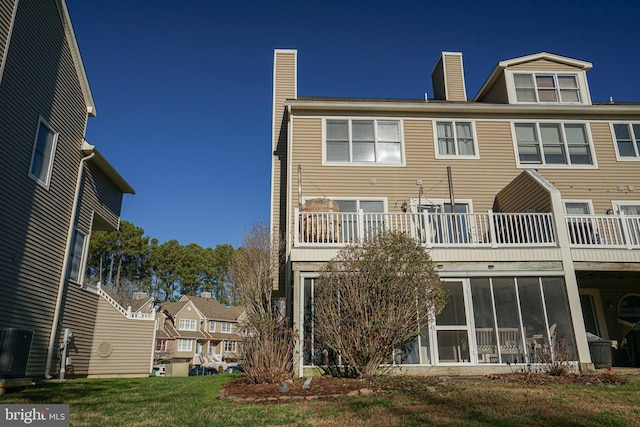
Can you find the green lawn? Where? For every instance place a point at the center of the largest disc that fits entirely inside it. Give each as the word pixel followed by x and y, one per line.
pixel 191 401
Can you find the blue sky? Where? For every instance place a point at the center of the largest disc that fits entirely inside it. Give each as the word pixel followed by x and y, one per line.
pixel 183 89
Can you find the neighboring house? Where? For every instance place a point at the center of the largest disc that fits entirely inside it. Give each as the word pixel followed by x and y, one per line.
pixel 527 197
pixel 55 189
pixel 197 331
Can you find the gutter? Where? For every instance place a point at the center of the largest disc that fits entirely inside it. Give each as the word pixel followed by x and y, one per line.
pixel 65 265
pixel 106 167
pixel 466 108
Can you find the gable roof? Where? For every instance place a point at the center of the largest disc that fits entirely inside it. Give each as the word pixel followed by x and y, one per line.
pixel 212 309
pixel 77 58
pixel 497 71
pixel 137 304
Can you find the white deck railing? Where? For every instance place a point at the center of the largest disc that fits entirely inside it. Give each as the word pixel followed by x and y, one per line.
pixel 125 312
pixel 605 231
pixel 431 229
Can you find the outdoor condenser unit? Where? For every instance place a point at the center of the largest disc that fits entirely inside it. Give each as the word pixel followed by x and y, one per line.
pixel 15 346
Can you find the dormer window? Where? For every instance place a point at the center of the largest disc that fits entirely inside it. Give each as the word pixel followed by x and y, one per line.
pixel 187 325
pixel 547 87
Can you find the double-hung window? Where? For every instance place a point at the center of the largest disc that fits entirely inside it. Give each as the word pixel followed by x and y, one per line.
pixel 42 155
pixel 212 326
pixel 363 141
pixel 455 139
pixel 226 327
pixel 553 144
pixel 230 346
pixel 627 140
pixel 187 325
pixel 547 87
pixel 76 259
pixel 185 345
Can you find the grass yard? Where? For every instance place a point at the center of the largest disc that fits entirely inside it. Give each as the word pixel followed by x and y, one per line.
pixel 191 401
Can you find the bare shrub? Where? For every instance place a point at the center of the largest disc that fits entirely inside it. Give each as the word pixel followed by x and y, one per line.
pixel 269 343
pixel 555 360
pixel 560 361
pixel 374 297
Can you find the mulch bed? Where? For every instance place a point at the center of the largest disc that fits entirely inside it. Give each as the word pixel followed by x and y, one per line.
pixel 241 390
pixel 540 378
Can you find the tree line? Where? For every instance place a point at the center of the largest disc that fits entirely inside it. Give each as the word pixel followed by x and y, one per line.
pixel 127 261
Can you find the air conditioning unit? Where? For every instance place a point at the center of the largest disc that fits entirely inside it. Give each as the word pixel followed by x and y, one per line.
pixel 15 346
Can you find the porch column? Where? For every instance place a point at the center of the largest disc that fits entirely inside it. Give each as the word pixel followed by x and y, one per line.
pixel 571 282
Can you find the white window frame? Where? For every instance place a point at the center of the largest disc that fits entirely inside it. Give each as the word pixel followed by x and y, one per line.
pixel 439 203
pixel 583 92
pixel 474 135
pixel 185 345
pixel 350 162
pixel 581 230
pixel 187 325
pixel 616 204
pixel 212 325
pixel 77 260
pixel 47 164
pixel 587 202
pixel 230 346
pixel 635 141
pixel 226 327
pixel 543 164
pixel 358 200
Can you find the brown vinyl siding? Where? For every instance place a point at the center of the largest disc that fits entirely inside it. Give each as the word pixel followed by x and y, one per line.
pixel 6 17
pixel 131 342
pixel 544 65
pixel 98 194
pixel 455 78
pixel 79 314
pixel 39 78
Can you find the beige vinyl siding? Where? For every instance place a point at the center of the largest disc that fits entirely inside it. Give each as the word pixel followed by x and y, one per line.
pixel 39 79
pixel 455 78
pixel 80 308
pixel 599 185
pixel 284 87
pixel 522 194
pixel 497 94
pixel 131 342
pixel 544 65
pixel 437 80
pixel 477 179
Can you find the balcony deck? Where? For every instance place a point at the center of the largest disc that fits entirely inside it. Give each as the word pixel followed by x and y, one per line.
pixel 486 230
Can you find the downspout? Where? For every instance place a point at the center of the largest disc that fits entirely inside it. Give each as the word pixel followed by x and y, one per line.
pixel 65 265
